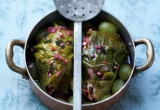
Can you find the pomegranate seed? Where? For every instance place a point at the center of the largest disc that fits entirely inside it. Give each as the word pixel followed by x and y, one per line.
pixel 56 56
pixel 99 73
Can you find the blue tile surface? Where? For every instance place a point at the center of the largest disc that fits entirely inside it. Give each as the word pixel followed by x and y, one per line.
pixel 140 17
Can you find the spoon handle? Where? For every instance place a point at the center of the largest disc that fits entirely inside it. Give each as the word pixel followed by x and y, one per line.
pixel 77 93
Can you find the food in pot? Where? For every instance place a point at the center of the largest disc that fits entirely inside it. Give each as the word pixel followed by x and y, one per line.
pixel 52 56
pixel 124 71
pixel 117 85
pixel 103 53
pixel 51 62
pixel 107 27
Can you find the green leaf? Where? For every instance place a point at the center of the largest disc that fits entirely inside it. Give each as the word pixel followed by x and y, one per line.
pixel 32 70
pixel 108 75
pixel 42 69
pixel 68 50
pixel 45 49
pixel 102 87
pixel 120 56
pixel 64 81
pixel 113 52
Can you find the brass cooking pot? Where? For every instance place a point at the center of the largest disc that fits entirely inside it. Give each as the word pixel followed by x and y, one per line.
pixel 57 104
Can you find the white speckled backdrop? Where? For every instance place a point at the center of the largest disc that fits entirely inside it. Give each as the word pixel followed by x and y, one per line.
pixel 141 18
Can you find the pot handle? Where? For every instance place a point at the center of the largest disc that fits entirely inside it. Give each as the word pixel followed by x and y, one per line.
pixel 149 53
pixel 9 57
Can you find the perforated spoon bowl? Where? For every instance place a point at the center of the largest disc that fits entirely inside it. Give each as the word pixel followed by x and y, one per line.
pixel 78 11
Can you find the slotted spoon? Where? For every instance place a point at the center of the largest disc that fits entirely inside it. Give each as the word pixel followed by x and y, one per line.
pixel 78 11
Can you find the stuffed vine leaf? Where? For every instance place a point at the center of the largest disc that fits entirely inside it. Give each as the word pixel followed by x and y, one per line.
pixel 103 53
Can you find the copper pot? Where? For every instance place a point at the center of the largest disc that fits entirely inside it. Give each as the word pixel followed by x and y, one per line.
pixel 59 105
